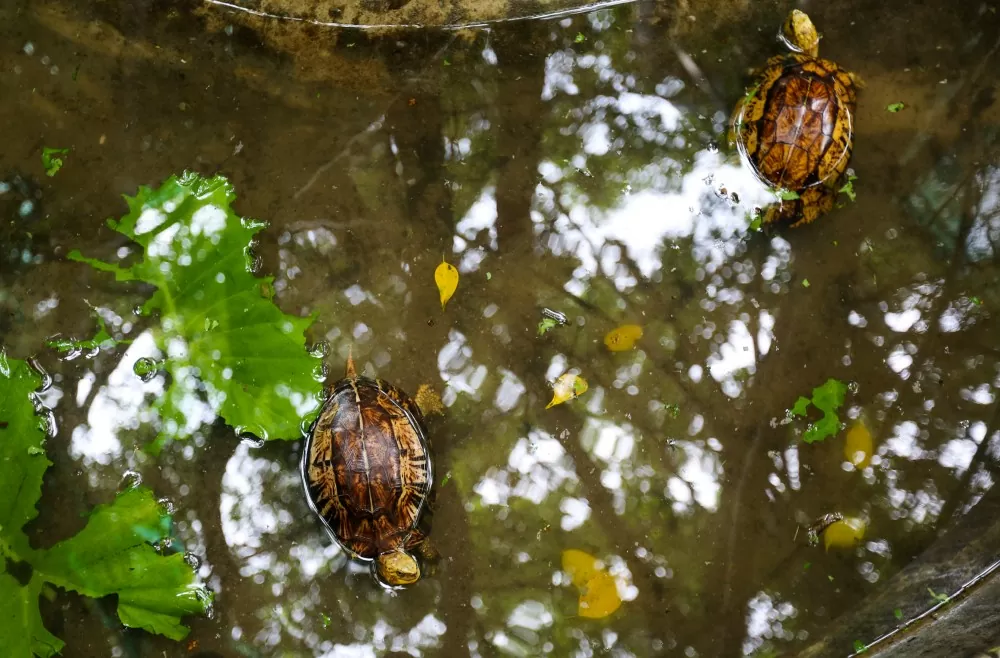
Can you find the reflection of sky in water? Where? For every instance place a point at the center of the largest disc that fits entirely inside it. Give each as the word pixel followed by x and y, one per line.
pixel 120 405
pixel 663 207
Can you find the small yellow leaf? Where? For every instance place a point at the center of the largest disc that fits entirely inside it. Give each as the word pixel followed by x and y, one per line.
pixel 623 338
pixel 446 278
pixel 567 387
pixel 600 597
pixel 858 445
pixel 844 534
pixel 580 566
pixel 598 589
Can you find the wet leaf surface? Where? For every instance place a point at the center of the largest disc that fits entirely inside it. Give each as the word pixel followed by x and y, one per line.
pixel 567 387
pixel 228 349
pixel 113 554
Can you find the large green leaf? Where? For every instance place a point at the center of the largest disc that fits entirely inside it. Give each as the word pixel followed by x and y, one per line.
pixel 225 342
pixel 22 452
pixel 113 554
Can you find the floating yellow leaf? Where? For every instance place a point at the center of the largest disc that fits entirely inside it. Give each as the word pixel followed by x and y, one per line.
pixel 623 338
pixel 598 589
pixel 858 445
pixel 567 387
pixel 580 566
pixel 844 534
pixel 446 278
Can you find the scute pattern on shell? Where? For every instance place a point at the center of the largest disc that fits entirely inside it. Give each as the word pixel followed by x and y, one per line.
pixel 367 467
pixel 796 130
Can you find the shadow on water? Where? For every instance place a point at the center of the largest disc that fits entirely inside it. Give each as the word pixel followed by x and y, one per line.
pixel 577 164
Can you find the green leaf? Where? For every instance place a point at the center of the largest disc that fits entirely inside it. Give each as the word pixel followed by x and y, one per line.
pixel 22 453
pixel 230 347
pixel 23 633
pixel 546 325
pixel 51 159
pixel 111 555
pixel 787 195
pixel 801 406
pixel 848 188
pixel 828 399
pixel 805 283
pixel 897 613
pixel 895 107
pixel 859 646
pixel 579 38
pixel 940 598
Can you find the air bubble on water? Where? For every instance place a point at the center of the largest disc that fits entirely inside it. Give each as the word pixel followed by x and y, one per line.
pixel 131 479
pixel 321 372
pixel 167 505
pixel 46 418
pixel 713 147
pixel 320 349
pixel 192 561
pixel 29 48
pixel 91 352
pixel 146 368
pixel 207 601
pixel 253 437
pixel 853 388
pixel 253 224
pixel 46 377
pixel 26 208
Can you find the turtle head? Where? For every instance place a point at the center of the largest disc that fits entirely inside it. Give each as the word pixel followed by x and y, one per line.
pixel 397 568
pixel 799 33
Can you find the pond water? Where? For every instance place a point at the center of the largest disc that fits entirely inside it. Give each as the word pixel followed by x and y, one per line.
pixel 577 164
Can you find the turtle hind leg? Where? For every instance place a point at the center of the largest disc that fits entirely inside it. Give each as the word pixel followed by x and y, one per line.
pixel 816 201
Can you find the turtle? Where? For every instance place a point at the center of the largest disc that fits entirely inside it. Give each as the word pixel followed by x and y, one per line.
pixel 367 471
pixel 795 126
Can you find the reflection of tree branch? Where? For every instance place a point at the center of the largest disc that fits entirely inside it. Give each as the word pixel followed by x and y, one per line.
pixel 950 510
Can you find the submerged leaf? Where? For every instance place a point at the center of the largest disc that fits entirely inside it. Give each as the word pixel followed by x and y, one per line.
pixel 446 278
pixel 623 338
pixel 845 533
pixel 228 349
pixel 848 188
pixel 895 107
pixel 858 445
pixel 52 159
pixel 567 387
pixel 545 325
pixel 111 555
pixel 787 195
pixel 598 589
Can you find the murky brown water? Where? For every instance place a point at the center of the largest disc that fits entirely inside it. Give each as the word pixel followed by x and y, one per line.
pixel 569 164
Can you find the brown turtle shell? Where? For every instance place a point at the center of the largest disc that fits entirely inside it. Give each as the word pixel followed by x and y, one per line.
pixel 795 128
pixel 367 467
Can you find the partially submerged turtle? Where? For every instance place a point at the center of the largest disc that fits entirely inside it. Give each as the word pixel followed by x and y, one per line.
pixel 795 125
pixel 367 472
